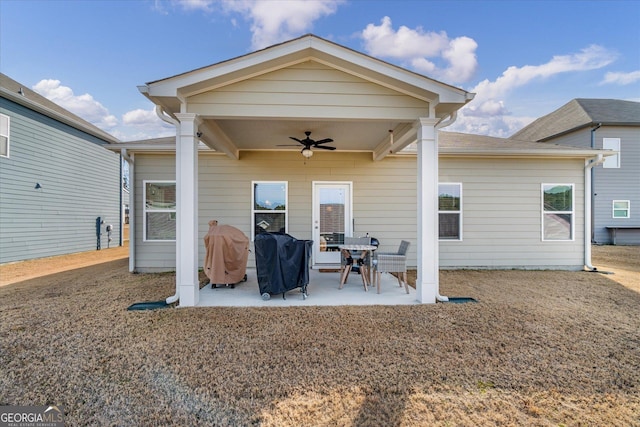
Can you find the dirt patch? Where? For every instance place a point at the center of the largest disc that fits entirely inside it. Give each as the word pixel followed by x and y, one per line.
pixel 539 348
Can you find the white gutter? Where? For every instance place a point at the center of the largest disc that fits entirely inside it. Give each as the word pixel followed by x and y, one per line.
pixel 132 227
pixel 166 118
pixel 442 124
pixel 589 164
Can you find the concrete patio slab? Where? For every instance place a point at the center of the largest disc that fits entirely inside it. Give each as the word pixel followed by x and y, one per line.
pixel 322 291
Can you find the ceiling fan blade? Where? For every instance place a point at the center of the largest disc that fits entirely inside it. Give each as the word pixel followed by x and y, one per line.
pixel 296 139
pixel 323 147
pixel 324 141
pixel 287 145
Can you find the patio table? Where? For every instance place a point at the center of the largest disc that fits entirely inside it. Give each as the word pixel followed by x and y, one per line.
pixel 365 270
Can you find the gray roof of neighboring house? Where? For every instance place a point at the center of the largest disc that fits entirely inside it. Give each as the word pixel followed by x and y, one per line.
pixel 22 95
pixel 580 113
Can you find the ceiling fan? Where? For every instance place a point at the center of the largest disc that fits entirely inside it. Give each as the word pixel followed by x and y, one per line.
pixel 309 143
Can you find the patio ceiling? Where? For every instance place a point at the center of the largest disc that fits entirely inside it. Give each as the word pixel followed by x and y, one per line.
pixel 346 135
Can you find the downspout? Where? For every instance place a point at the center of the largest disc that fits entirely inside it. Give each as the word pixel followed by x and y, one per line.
pixel 132 227
pixel 588 182
pixel 168 119
pixel 592 196
pixel 442 124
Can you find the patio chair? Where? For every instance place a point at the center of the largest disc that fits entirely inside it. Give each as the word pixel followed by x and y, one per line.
pixel 392 262
pixel 354 259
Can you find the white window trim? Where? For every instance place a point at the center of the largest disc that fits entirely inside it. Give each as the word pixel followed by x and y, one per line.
pixel 254 211
pixel 611 162
pixel 572 211
pixel 459 184
pixel 145 211
pixel 7 135
pixel 613 209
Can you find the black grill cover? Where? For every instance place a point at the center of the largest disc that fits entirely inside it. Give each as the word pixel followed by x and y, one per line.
pixel 282 262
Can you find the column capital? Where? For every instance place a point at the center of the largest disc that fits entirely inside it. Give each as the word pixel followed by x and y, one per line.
pixel 187 117
pixel 428 121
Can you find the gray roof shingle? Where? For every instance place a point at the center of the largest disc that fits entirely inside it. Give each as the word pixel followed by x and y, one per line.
pixel 579 113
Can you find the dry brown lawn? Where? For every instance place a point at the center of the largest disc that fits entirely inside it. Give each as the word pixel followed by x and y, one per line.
pixel 540 348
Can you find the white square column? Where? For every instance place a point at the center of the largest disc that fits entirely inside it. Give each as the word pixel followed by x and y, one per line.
pixel 187 283
pixel 427 282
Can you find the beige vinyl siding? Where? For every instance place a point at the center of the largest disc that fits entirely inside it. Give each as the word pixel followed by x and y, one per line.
pixel 309 89
pixel 501 203
pixel 502 213
pixel 152 256
pixel 384 196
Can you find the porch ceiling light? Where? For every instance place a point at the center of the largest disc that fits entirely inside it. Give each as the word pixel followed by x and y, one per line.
pixel 307 152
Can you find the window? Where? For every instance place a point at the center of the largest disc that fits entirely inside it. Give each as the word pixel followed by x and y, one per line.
pixel 450 211
pixel 160 210
pixel 269 207
pixel 557 212
pixel 611 144
pixel 621 209
pixel 4 135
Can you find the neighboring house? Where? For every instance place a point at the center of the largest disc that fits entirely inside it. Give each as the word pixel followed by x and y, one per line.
pixel 461 200
pixel 56 179
pixel 603 124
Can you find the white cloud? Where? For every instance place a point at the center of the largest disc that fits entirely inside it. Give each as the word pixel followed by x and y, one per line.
pixel 272 21
pixel 81 105
pixel 590 58
pixel 487 113
pixel 621 78
pixel 275 21
pixel 143 124
pixel 423 50
pixel 205 5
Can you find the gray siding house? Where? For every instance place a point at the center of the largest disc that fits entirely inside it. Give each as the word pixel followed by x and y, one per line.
pixel 460 200
pixel 56 179
pixel 602 124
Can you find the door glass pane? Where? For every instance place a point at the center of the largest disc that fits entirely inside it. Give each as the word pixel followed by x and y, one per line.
pixel 332 218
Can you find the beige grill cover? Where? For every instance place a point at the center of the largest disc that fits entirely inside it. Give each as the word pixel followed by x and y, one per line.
pixel 225 261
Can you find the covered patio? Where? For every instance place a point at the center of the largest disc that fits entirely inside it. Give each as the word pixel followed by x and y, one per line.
pixel 322 291
pixel 248 108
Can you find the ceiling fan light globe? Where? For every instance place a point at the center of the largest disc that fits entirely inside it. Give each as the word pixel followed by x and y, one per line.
pixel 307 152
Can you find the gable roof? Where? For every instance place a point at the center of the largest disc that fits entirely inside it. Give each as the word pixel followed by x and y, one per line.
pixel 256 100
pixel 20 94
pixel 165 91
pixel 580 113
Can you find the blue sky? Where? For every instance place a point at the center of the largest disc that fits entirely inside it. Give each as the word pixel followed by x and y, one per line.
pixel 524 59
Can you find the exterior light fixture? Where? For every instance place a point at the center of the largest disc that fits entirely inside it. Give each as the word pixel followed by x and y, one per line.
pixel 307 152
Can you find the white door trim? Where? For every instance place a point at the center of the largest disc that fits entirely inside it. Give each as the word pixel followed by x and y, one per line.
pixel 320 260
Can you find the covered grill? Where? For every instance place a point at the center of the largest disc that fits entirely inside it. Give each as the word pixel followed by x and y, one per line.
pixel 227 250
pixel 282 263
